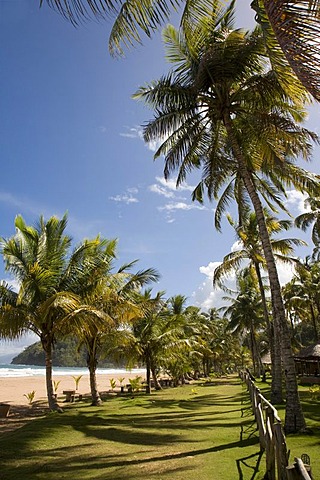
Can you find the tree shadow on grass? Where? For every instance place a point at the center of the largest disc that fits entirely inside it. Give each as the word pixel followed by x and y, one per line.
pixel 196 401
pixel 251 462
pixel 67 461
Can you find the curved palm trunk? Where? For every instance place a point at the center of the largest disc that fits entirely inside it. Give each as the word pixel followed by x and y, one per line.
pixel 294 419
pixel 92 367
pixel 46 342
pixel 276 370
pixel 157 385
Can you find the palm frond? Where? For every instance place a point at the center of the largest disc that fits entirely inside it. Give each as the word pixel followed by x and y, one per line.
pixel 296 28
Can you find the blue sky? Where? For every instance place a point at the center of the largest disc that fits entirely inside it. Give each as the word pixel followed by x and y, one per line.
pixel 71 141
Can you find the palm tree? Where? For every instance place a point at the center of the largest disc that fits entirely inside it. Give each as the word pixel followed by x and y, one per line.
pixel 150 336
pixel 220 103
pixel 302 294
pixel 290 28
pixel 251 249
pixel 246 313
pixel 308 218
pixel 112 304
pixel 295 27
pixel 38 258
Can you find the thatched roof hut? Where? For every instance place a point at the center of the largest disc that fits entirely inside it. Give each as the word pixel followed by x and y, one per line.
pixel 311 352
pixel 308 363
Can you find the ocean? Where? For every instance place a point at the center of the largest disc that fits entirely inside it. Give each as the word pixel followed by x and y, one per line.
pixel 34 370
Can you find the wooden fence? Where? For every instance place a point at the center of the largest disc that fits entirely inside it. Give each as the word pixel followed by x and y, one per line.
pixel 272 439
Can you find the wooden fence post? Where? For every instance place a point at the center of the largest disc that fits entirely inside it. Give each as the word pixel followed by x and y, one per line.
pixel 281 451
pixel 270 447
pixel 298 471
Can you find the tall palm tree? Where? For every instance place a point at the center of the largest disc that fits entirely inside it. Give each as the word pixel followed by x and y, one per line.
pixel 251 249
pixel 292 26
pixel 220 103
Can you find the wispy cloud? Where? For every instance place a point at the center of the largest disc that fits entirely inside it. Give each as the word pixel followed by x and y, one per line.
pixel 172 206
pixel 155 188
pixel 168 188
pixel 25 205
pixel 171 184
pixel 133 132
pixel 128 197
pixel 124 199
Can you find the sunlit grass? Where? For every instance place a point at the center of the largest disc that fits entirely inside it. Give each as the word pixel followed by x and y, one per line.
pixel 197 432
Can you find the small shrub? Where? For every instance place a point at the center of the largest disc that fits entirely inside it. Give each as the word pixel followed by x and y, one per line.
pixel 315 392
pixel 77 380
pixel 113 383
pixel 56 384
pixel 30 396
pixel 135 383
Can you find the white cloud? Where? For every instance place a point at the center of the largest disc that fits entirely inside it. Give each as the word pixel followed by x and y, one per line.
pixel 133 190
pixel 127 197
pixel 238 245
pixel 14 347
pixel 209 269
pixel 181 206
pixel 172 207
pixel 124 199
pixel 285 272
pixel 206 296
pixel 161 191
pixel 171 184
pixel 296 200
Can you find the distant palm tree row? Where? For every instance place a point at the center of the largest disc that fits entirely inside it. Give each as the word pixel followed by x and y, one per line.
pixel 78 292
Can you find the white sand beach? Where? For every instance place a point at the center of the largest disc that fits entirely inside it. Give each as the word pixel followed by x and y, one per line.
pixel 12 390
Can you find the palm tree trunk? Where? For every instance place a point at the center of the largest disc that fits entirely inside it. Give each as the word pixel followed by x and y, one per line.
pixel 314 322
pixel 92 367
pixel 95 395
pixel 148 374
pixel 46 342
pixel 157 385
pixel 253 351
pixel 294 419
pixel 276 370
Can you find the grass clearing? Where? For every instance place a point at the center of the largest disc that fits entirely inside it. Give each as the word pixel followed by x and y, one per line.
pixel 179 433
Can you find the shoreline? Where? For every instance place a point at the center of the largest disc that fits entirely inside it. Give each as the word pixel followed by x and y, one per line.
pixel 14 389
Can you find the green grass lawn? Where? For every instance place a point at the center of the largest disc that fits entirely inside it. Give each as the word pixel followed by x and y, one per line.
pixel 192 432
